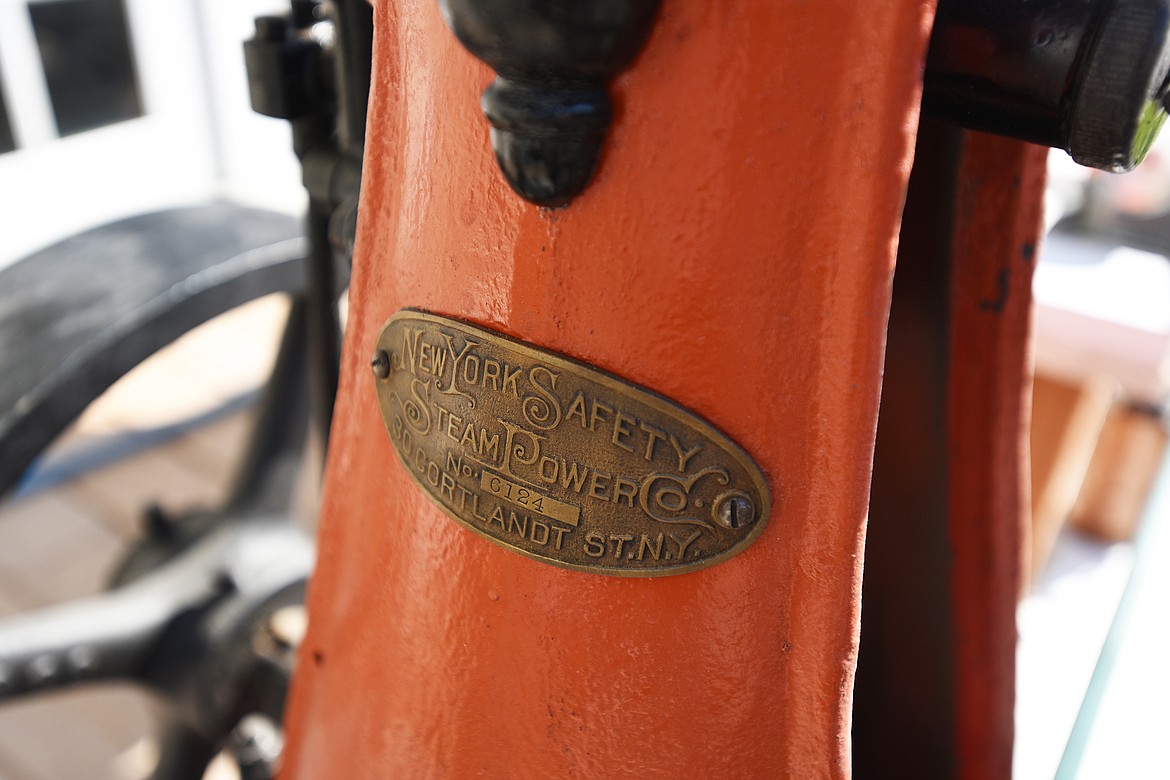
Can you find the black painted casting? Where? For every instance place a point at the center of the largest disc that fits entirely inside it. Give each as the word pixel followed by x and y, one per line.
pixel 549 108
pixel 1087 76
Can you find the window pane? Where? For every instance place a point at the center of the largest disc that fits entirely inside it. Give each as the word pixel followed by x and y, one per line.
pixel 6 142
pixel 86 52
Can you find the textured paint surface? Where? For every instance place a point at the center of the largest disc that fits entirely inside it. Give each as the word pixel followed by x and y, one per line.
pixel 998 225
pixel 733 253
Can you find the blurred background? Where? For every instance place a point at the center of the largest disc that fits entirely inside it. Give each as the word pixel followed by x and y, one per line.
pixel 1092 686
pixel 115 107
pixel 110 108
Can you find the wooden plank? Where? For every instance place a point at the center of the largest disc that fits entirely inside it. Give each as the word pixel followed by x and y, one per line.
pixel 1066 423
pixel 212 451
pixel 118 494
pixel 53 549
pixel 1120 474
pixel 76 734
pixel 203 369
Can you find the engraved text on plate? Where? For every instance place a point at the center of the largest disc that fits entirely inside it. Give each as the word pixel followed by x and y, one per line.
pixel 558 460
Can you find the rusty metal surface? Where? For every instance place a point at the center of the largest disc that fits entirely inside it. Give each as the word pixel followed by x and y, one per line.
pixel 559 461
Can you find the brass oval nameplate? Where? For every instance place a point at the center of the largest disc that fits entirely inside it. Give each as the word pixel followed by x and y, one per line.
pixel 560 461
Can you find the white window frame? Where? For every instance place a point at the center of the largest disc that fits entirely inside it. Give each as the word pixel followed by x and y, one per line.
pixel 51 187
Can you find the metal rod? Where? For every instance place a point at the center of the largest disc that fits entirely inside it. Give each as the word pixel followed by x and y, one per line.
pixel 1152 535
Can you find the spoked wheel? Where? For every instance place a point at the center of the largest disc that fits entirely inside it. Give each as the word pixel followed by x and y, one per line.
pixel 203 610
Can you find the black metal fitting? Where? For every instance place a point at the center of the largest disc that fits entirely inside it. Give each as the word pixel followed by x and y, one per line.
pixel 281 68
pixel 549 109
pixel 313 68
pixel 331 176
pixel 182 626
pixel 1089 77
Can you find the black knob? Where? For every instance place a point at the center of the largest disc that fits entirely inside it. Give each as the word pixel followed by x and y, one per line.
pixel 549 109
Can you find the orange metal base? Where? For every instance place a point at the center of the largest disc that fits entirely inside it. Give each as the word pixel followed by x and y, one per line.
pixel 996 245
pixel 948 510
pixel 734 253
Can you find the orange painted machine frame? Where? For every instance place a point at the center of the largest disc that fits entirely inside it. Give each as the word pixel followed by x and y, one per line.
pixel 734 253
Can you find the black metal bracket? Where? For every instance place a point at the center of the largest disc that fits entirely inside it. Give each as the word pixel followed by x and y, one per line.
pixel 319 80
pixel 549 108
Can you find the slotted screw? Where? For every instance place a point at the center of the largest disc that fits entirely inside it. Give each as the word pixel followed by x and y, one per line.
pixel 735 512
pixel 380 364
